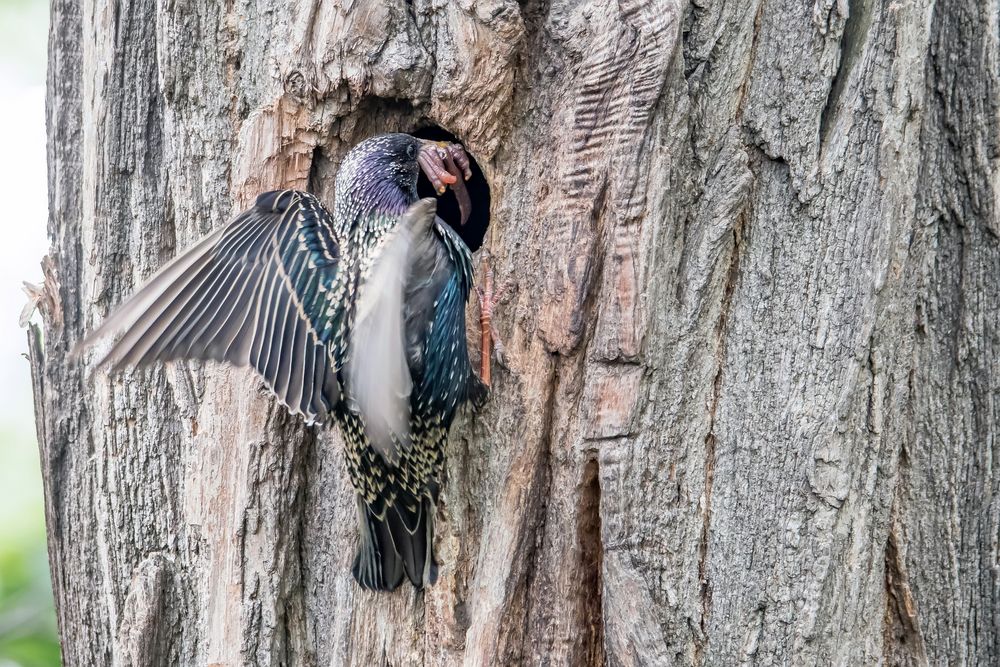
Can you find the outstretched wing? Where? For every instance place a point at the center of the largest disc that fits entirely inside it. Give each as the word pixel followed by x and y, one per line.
pixel 262 291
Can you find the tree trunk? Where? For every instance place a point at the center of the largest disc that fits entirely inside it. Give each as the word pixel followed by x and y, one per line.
pixel 752 404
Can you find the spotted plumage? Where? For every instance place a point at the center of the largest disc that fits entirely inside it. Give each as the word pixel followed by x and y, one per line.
pixel 359 315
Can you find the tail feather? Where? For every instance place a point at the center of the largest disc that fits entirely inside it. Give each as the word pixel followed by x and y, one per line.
pixel 402 542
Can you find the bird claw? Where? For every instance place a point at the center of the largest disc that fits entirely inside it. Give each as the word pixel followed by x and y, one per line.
pixel 502 294
pixel 499 296
pixel 499 351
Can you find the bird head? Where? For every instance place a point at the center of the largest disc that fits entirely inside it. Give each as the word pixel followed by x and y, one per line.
pixel 391 161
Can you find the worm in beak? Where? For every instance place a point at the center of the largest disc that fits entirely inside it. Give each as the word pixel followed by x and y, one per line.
pixel 447 164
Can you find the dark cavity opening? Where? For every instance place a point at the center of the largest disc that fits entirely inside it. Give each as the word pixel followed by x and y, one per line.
pixel 474 231
pixel 591 565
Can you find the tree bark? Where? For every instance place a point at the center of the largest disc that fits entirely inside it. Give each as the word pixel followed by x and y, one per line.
pixel 752 404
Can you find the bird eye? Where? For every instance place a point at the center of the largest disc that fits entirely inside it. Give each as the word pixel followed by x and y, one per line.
pixel 411 151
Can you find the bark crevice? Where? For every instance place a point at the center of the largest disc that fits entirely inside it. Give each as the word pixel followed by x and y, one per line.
pixel 903 637
pixel 592 563
pixel 852 38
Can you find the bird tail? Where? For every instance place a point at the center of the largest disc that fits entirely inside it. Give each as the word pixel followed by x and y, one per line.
pixel 401 542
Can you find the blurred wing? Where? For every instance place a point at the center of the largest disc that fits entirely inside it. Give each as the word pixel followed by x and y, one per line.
pixel 262 291
pixel 378 375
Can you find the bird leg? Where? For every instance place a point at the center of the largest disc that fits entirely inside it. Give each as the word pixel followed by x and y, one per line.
pixel 489 296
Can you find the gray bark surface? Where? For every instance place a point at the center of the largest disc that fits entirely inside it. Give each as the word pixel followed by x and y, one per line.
pixel 751 412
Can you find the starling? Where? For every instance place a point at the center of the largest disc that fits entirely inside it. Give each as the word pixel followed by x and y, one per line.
pixel 358 316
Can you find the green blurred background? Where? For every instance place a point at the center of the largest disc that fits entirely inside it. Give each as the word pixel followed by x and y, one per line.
pixel 27 620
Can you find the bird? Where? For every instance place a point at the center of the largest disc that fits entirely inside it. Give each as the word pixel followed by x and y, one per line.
pixel 355 316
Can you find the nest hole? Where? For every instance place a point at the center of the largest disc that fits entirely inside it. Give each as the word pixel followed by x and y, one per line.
pixel 474 231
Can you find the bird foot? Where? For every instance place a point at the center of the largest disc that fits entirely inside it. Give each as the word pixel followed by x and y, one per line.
pixel 489 296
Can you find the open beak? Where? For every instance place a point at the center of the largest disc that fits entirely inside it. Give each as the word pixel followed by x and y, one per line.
pixel 446 164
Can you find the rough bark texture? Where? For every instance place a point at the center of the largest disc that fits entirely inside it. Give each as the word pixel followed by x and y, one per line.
pixel 751 415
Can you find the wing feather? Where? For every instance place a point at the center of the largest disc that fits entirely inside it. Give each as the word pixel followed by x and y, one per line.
pixel 251 293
